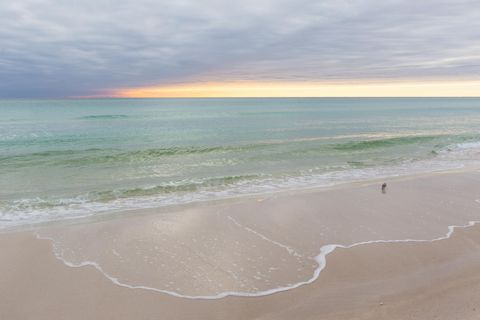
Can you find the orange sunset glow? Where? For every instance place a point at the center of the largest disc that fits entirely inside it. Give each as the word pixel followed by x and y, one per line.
pixel 308 89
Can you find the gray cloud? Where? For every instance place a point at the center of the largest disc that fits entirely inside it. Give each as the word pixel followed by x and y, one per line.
pixel 61 48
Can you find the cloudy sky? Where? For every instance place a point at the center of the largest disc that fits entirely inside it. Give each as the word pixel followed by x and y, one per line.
pixel 67 48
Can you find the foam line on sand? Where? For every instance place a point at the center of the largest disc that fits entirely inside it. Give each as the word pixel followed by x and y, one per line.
pixel 321 260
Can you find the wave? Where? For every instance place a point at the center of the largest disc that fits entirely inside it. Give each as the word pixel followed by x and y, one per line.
pixel 110 155
pixel 99 155
pixel 189 186
pixel 382 143
pixel 106 199
pixel 104 117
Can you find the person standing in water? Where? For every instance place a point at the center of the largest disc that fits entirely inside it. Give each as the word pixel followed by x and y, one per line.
pixel 384 187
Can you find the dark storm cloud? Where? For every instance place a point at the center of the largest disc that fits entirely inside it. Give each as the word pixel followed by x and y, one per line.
pixel 69 48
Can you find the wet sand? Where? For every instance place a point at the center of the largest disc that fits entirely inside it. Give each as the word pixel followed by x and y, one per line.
pixel 255 245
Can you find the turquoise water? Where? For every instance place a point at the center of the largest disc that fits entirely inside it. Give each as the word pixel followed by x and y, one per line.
pixel 62 159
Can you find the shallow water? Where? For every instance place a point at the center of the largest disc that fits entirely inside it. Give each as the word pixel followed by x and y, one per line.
pixel 62 159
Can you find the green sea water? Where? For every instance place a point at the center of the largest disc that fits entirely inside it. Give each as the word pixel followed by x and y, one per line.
pixel 63 159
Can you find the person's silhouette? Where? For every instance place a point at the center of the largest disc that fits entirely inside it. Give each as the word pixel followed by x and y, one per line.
pixel 384 188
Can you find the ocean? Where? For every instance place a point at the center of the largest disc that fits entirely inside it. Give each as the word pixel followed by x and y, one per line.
pixel 66 159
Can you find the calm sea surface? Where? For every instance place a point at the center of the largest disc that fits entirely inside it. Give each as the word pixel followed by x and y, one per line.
pixel 62 159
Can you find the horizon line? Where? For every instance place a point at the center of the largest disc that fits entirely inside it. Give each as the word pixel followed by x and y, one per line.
pixel 239 97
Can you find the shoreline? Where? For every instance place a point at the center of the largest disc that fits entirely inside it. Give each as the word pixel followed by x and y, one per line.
pixel 430 221
pixel 232 199
pixel 321 259
pixel 357 285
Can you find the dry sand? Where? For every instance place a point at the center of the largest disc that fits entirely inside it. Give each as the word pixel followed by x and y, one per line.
pixel 259 244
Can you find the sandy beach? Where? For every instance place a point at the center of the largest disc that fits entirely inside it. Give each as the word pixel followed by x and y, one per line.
pixel 397 255
pixel 239 160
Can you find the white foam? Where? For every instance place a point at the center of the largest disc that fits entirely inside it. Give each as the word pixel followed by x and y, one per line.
pixel 25 212
pixel 321 260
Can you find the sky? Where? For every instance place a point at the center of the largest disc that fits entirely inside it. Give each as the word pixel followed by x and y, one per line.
pixel 159 48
